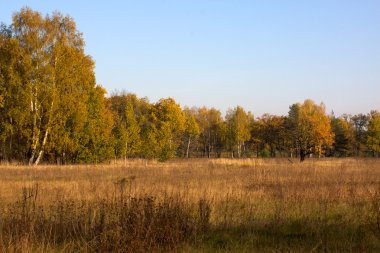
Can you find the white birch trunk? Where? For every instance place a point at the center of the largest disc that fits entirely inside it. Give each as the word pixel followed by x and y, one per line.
pixel 42 150
pixel 35 129
pixel 188 147
pixel 125 155
pixel 41 153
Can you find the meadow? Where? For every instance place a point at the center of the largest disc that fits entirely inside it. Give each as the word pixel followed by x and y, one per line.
pixel 192 205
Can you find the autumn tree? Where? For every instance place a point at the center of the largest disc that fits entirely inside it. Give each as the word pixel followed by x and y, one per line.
pixel 310 128
pixel 50 47
pixel 96 140
pixel 14 99
pixel 269 132
pixel 360 124
pixel 76 95
pixel 37 41
pixel 373 139
pixel 343 136
pixel 50 88
pixel 169 125
pixel 126 128
pixel 52 109
pixel 238 123
pixel 192 130
pixel 212 131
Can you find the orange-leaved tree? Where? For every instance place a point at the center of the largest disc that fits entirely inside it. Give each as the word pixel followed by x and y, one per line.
pixel 310 128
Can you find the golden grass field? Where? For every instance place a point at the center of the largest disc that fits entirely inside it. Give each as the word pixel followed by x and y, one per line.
pixel 193 205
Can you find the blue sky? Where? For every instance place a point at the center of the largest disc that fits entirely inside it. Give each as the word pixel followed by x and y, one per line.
pixel 262 55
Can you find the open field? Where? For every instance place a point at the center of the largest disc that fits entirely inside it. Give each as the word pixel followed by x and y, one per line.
pixel 257 205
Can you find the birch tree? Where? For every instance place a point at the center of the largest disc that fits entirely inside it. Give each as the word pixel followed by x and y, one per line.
pixel 44 43
pixel 49 85
pixel 14 99
pixel 211 126
pixel 238 122
pixel 192 129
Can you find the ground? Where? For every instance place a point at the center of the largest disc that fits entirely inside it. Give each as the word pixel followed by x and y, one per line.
pixel 192 205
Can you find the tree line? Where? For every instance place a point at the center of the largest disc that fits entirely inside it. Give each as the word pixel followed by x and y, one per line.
pixel 52 110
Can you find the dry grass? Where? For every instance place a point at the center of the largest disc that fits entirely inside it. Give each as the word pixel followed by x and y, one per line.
pixel 195 205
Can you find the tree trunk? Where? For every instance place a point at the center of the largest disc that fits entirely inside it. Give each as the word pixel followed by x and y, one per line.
pixel 42 150
pixel 209 145
pixel 35 131
pixel 188 147
pixel 272 151
pixel 42 147
pixel 125 154
pixel 302 155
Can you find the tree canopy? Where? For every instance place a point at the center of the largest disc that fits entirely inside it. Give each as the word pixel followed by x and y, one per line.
pixel 310 128
pixel 52 110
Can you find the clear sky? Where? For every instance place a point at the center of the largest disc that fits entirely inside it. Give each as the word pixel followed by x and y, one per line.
pixel 262 55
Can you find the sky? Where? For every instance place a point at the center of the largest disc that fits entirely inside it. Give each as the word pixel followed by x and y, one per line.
pixel 261 55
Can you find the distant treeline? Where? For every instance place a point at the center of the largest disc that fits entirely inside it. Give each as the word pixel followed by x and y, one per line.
pixel 51 110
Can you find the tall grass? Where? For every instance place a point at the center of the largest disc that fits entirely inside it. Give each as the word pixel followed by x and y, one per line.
pixel 195 205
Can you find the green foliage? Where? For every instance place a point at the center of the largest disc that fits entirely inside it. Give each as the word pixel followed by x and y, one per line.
pixel 360 124
pixel 269 133
pixel 14 104
pixel 191 126
pixel 51 105
pixel 170 124
pixel 126 129
pixel 192 131
pixel 265 151
pixel 373 140
pixel 238 124
pixel 344 136
pixel 96 143
pixel 212 131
